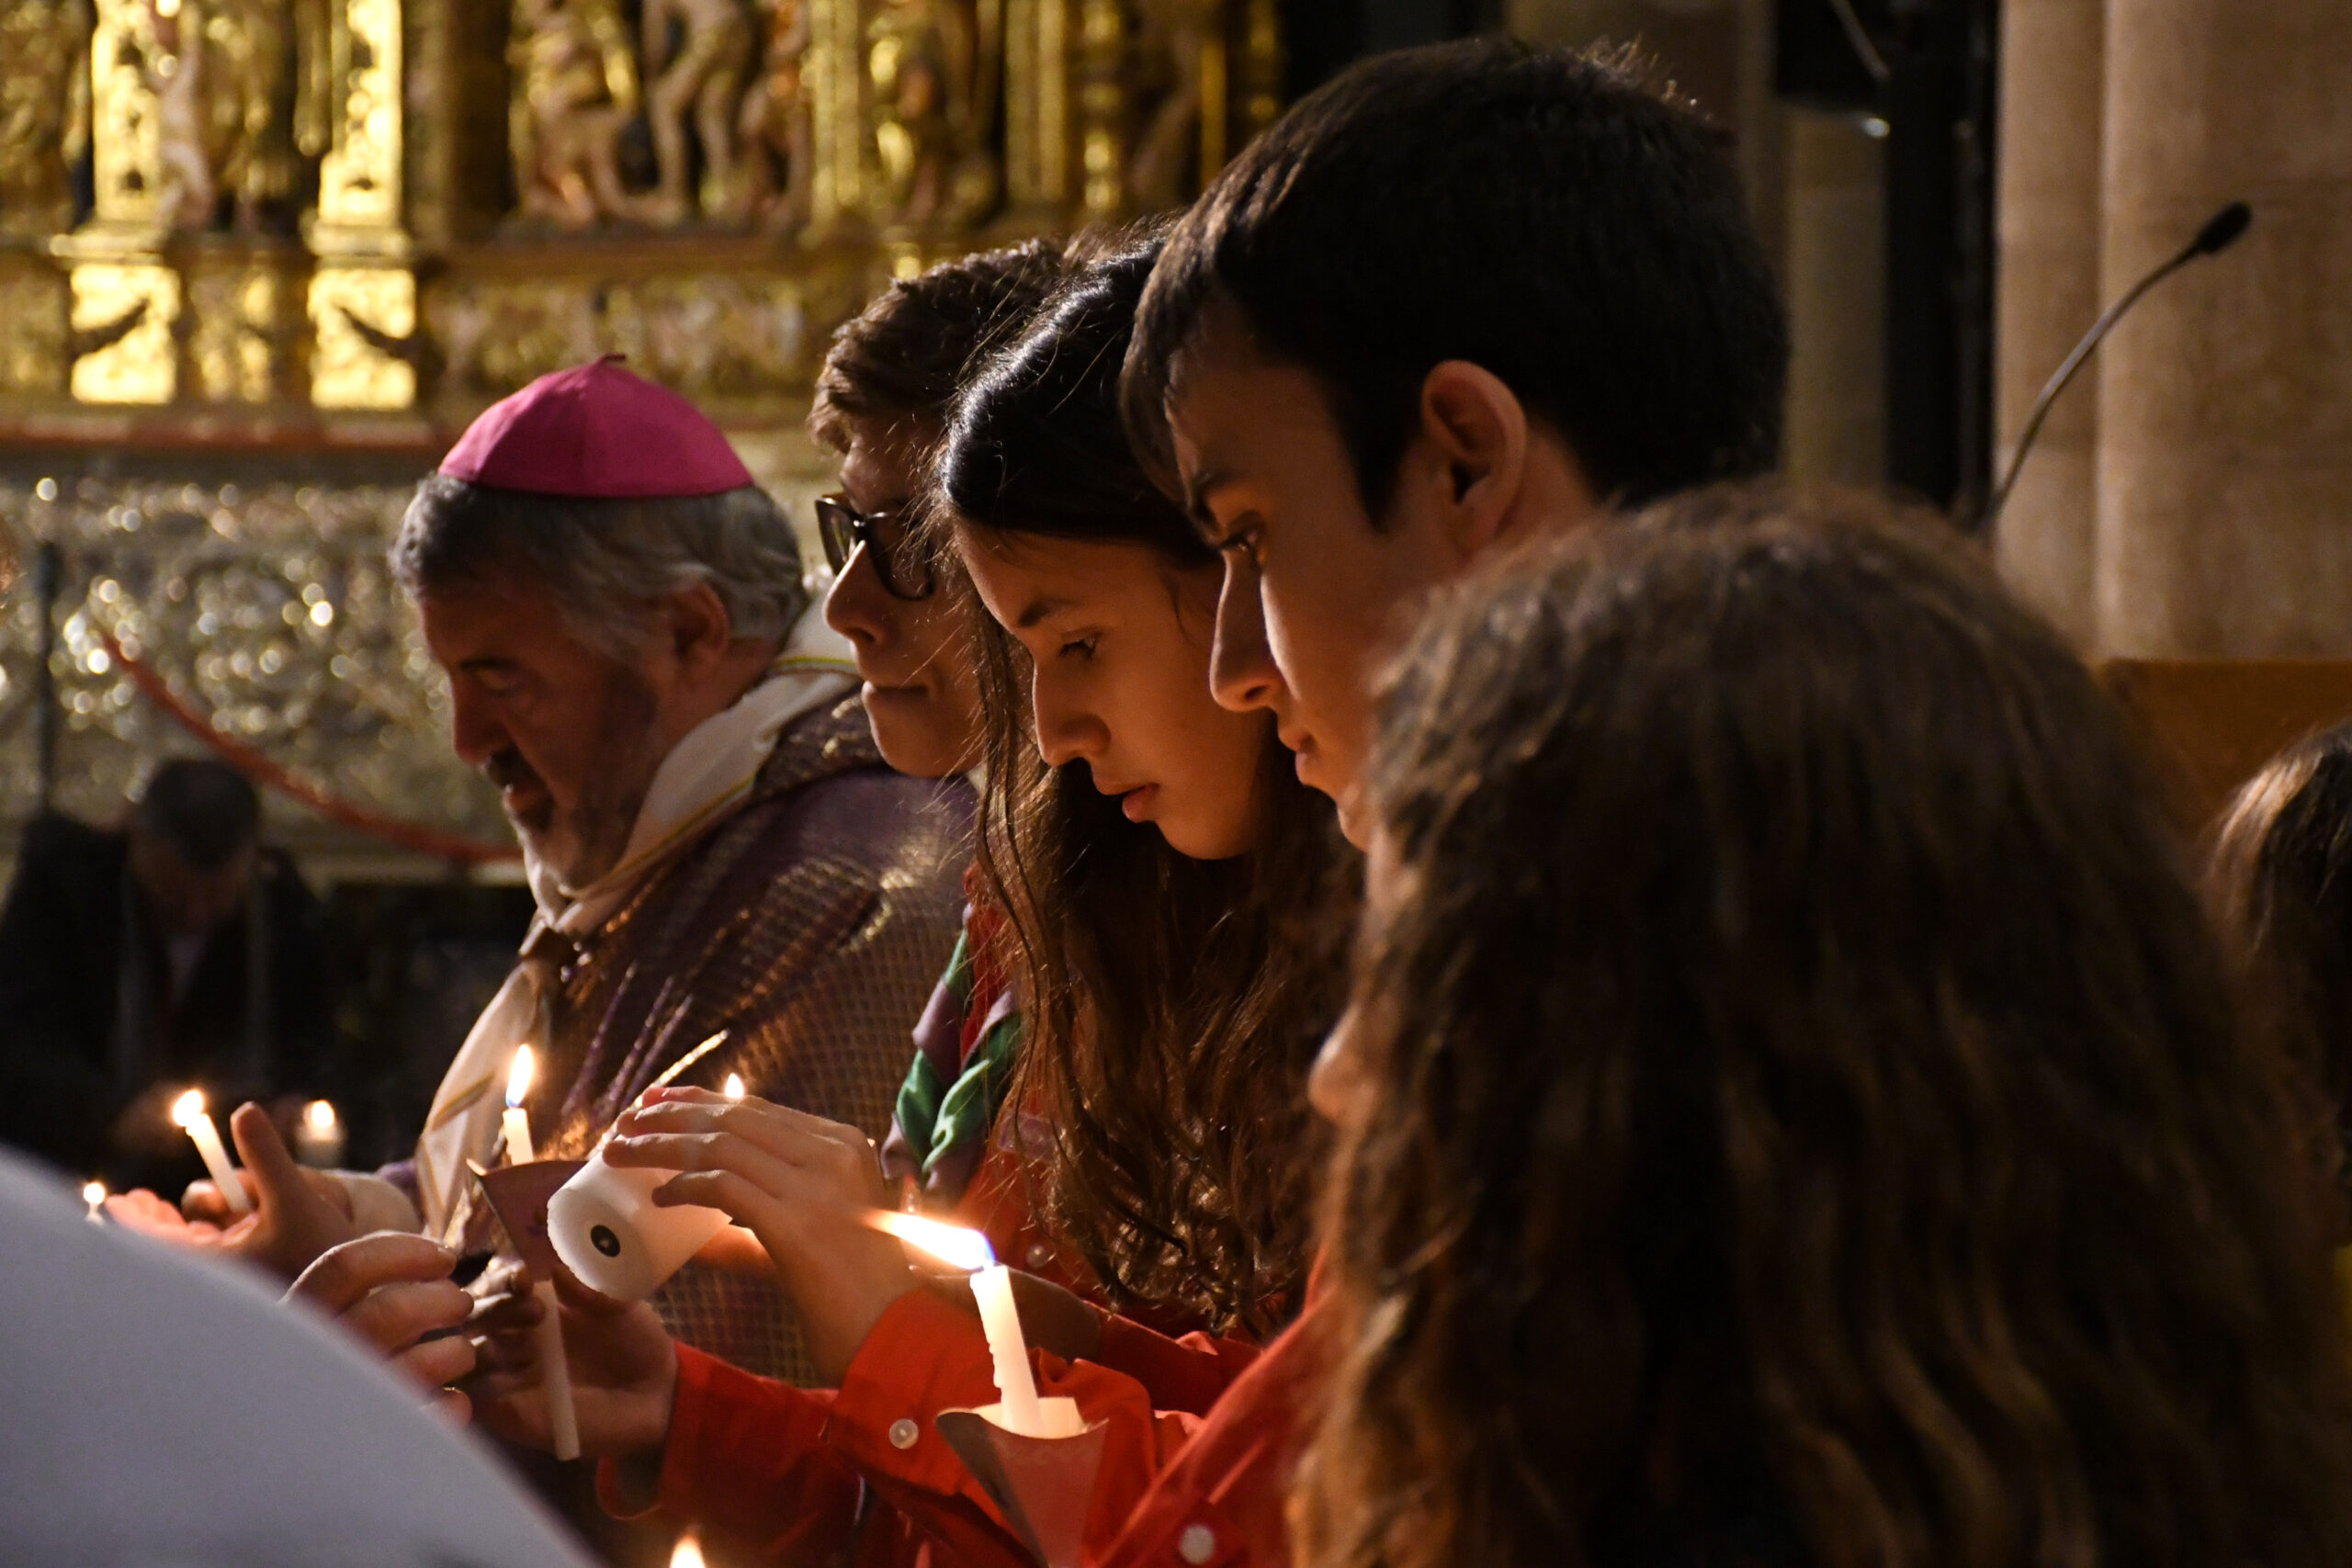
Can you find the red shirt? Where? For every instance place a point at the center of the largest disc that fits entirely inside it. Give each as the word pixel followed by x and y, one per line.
pixel 1182 1484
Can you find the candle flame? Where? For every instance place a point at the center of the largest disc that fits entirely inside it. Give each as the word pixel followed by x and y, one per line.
pixel 734 1086
pixel 688 1553
pixel 94 1193
pixel 519 1077
pixel 320 1115
pixel 187 1108
pixel 952 1245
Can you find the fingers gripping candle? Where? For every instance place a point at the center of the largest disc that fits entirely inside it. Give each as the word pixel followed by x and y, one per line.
pixel 564 1418
pixel 188 1112
pixel 609 1232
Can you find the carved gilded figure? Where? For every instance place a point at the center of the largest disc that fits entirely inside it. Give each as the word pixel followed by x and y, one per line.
pixel 226 107
pixel 177 70
pixel 703 75
pixel 932 63
pixel 1172 42
pixel 772 127
pixel 575 91
pixel 44 110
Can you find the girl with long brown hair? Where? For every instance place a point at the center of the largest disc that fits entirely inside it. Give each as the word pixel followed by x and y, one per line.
pixel 1793 1106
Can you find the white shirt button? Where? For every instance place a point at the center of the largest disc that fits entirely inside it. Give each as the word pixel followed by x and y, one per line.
pixel 1198 1544
pixel 903 1433
pixel 1038 1255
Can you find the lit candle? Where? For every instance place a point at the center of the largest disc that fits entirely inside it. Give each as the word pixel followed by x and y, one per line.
pixel 94 1193
pixel 518 1121
pixel 318 1137
pixel 189 1113
pixel 1019 1410
pixel 563 1419
pixel 688 1553
pixel 734 1086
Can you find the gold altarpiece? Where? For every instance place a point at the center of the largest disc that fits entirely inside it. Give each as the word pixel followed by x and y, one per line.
pixel 261 259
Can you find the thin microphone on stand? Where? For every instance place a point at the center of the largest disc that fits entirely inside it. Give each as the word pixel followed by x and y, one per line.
pixel 2221 232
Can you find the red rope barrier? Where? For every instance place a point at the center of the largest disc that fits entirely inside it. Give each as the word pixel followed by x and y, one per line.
pixel 262 769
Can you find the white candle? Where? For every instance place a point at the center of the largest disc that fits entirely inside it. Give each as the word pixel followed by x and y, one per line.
pixel 555 1371
pixel 1016 1388
pixel 318 1137
pixel 94 1193
pixel 518 1121
pixel 1018 1409
pixel 188 1112
pixel 562 1419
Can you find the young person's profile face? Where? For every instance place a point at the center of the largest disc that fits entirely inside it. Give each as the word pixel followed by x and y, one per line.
pixel 1314 595
pixel 1118 646
pixel 922 697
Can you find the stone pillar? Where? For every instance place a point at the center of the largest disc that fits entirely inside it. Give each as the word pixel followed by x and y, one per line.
pixel 2226 403
pixel 1835 269
pixel 2052 103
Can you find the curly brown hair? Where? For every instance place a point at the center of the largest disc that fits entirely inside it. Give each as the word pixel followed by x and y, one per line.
pixel 1805 1118
pixel 899 362
pixel 1169 1006
pixel 2280 879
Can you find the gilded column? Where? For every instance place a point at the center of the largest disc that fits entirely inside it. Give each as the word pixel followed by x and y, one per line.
pixel 363 292
pixel 2053 110
pixel 2225 405
pixel 1102 104
pixel 126 298
pixel 1037 103
pixel 836 78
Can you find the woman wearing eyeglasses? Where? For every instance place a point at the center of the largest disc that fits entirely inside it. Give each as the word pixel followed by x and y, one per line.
pixel 882 405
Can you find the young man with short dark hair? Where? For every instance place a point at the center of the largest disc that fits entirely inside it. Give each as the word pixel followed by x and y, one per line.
pixel 1458 296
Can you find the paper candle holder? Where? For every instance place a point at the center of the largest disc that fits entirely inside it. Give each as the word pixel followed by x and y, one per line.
pixel 608 1232
pixel 1044 1485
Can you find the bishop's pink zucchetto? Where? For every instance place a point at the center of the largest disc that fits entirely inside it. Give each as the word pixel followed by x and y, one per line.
pixel 596 430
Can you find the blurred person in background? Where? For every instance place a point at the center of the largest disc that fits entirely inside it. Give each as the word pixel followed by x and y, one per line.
pixel 176 951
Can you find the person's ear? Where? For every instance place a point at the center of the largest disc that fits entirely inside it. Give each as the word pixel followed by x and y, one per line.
pixel 1475 428
pixel 698 627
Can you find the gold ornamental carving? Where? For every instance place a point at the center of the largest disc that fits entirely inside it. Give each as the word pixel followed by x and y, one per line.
pixel 44 112
pixel 306 211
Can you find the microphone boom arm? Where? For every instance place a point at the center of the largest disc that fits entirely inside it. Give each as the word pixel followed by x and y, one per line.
pixel 2220 232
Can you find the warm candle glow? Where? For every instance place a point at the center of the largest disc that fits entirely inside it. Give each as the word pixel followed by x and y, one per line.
pixel 519 1077
pixel 688 1553
pixel 94 1193
pixel 320 1115
pixel 187 1108
pixel 952 1245
pixel 734 1086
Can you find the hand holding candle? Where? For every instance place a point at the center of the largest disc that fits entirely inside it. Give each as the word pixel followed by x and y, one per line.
pixel 189 1113
pixel 611 1233
pixel 800 1184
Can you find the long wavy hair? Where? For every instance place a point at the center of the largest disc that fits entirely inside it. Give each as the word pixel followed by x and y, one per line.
pixel 1169 1005
pixel 1807 1120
